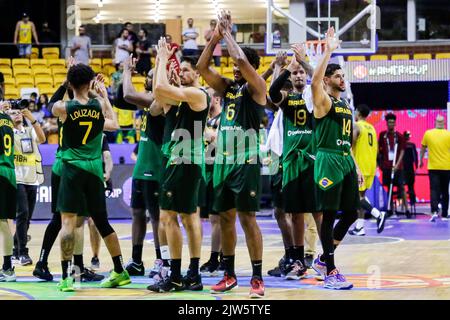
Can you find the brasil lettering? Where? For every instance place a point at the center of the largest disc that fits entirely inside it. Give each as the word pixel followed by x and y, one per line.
pixel 230 95
pixel 343 110
pixel 296 102
pixel 85 113
pixel 7 123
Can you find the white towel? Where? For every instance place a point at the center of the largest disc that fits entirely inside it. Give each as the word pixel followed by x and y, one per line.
pixel 275 138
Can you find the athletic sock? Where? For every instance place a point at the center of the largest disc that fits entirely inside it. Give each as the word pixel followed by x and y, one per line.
pixel 7 262
pixel 193 266
pixel 78 262
pixel 257 268
pixel 228 262
pixel 175 269
pixel 291 254
pixel 43 256
pixel 118 264
pixel 158 253
pixel 214 257
pixel 375 213
pixel 66 266
pixel 299 254
pixel 359 223
pixel 165 255
pixel 286 253
pixel 137 253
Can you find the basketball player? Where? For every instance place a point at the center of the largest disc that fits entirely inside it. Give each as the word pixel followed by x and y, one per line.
pixel 365 152
pixel 298 157
pixel 207 212
pixel 335 172
pixel 236 169
pixel 82 172
pixel 41 270
pixel 146 177
pixel 184 169
pixel 8 192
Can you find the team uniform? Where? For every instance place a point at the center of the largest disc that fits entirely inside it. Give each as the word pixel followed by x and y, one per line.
pixel 147 172
pixel 276 184
pixel 185 159
pixel 298 156
pixel 365 151
pixel 81 138
pixel 7 174
pixel 335 171
pixel 236 177
pixel 206 194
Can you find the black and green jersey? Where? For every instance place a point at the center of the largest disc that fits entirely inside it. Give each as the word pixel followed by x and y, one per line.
pixel 170 123
pixel 334 131
pixel 7 148
pixel 186 143
pixel 298 127
pixel 149 160
pixel 82 135
pixel 238 137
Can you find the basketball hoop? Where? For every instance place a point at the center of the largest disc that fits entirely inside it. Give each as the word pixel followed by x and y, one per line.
pixel 314 51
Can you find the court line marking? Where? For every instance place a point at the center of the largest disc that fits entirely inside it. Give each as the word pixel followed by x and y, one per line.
pixel 20 293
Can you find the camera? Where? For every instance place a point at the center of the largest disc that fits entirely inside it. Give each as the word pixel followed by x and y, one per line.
pixel 19 104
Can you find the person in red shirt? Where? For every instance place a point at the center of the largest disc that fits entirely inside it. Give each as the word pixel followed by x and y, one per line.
pixel 174 48
pixel 386 144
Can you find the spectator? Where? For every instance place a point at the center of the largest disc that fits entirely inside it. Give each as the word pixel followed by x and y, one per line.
pixel 37 113
pixel 116 78
pixel 47 35
pixel 190 35
pixel 81 48
pixel 410 165
pixel 25 30
pixel 437 141
pixel 387 141
pixel 218 48
pixel 126 123
pixel 131 35
pixel 122 47
pixel 174 53
pixel 258 36
pixel 143 51
pixel 42 105
pixel 33 97
pixel 29 176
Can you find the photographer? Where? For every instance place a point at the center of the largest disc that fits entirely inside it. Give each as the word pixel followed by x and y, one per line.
pixel 29 175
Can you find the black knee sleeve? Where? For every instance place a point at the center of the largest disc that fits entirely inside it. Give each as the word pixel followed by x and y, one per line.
pixel 366 205
pixel 102 224
pixel 347 219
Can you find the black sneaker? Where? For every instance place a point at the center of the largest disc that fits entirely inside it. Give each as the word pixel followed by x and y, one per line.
pixel 135 269
pixel 90 276
pixel 309 259
pixel 193 283
pixel 380 222
pixel 167 285
pixel 25 260
pixel 275 272
pixel 210 268
pixel 42 272
pixel 95 263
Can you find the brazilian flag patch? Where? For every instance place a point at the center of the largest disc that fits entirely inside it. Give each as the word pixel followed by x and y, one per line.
pixel 325 183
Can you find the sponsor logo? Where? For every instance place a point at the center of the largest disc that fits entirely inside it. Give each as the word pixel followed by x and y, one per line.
pixel 169 194
pixel 252 194
pixel 340 142
pixel 298 132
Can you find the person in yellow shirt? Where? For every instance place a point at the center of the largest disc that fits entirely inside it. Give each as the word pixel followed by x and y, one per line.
pixel 365 151
pixel 126 123
pixel 25 29
pixel 437 141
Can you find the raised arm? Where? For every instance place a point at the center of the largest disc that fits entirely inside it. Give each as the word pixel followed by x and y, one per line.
pixel 211 76
pixel 321 100
pixel 40 135
pixel 256 84
pixel 192 95
pixel 111 123
pixel 140 99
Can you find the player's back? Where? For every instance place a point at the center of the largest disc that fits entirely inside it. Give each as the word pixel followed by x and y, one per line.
pixel 6 141
pixel 366 148
pixel 81 132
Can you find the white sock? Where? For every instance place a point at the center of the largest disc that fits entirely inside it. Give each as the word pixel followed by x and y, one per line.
pixel 359 223
pixel 375 213
pixel 165 254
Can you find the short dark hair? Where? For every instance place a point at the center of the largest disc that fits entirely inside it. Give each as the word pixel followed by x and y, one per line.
pixel 127 23
pixel 145 31
pixel 363 110
pixel 252 56
pixel 80 75
pixel 192 60
pixel 390 116
pixel 82 26
pixel 331 69
pixel 122 31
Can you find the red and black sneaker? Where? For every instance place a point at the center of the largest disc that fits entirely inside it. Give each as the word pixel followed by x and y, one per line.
pixel 257 287
pixel 226 284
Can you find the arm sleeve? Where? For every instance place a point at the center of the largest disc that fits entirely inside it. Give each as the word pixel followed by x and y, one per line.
pixel 136 149
pixel 105 145
pixel 57 96
pixel 277 85
pixel 120 102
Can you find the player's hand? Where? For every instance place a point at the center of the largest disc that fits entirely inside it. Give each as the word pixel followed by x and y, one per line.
pixel 163 49
pixel 299 51
pixel 332 43
pixel 174 78
pixel 106 176
pixel 99 86
pixel 71 62
pixel 293 65
pixel 280 60
pixel 360 179
pixel 217 34
pixel 27 115
pixel 225 21
pixel 129 64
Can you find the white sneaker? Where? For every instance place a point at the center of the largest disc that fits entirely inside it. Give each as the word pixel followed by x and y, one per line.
pixel 357 232
pixel 8 275
pixel 434 216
